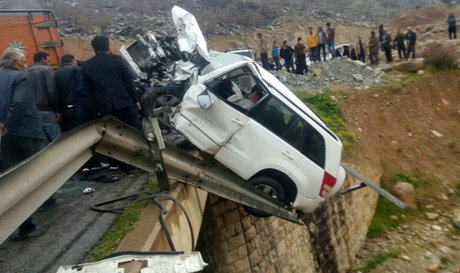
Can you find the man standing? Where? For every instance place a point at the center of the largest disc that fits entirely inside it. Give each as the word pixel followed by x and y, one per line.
pixel 276 55
pixel 452 23
pixel 263 49
pixel 66 83
pixel 330 40
pixel 374 48
pixel 321 43
pixel 20 121
pixel 361 49
pixel 301 63
pixel 312 42
pixel 411 38
pixel 386 45
pixel 286 53
pixel 109 81
pixel 43 84
pixel 400 43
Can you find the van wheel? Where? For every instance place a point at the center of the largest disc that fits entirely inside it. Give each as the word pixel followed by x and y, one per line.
pixel 269 186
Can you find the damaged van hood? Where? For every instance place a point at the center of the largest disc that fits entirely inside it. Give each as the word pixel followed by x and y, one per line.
pixel 190 38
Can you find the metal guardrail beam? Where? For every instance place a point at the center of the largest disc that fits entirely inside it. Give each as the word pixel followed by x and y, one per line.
pixel 26 186
pixel 393 199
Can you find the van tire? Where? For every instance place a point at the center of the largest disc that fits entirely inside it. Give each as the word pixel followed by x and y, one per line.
pixel 271 187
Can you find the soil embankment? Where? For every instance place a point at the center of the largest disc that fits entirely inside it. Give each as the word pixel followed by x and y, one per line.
pixel 412 129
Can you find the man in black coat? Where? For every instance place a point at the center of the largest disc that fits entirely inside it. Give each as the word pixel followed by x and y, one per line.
pixel 20 121
pixel 286 53
pixel 387 45
pixel 67 81
pixel 411 38
pixel 109 81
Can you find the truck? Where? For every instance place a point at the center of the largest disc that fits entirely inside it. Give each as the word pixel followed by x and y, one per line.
pixel 31 31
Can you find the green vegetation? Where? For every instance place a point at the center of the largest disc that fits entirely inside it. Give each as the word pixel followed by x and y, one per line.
pixel 379 259
pixel 418 182
pixel 327 109
pixel 120 227
pixel 382 221
pixel 445 261
pixel 457 188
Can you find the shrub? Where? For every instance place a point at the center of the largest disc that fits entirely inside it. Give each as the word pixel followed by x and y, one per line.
pixel 441 57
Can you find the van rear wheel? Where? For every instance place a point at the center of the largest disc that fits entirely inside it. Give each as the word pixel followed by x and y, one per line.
pixel 268 186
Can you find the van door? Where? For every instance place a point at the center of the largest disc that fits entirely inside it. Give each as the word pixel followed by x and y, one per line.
pixel 268 141
pixel 232 94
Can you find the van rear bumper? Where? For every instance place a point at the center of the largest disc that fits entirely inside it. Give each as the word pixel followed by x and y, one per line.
pixel 307 204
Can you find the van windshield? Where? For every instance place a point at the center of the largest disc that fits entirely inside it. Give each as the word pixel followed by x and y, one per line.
pixel 219 60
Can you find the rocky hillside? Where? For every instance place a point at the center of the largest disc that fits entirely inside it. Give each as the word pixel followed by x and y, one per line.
pixel 217 17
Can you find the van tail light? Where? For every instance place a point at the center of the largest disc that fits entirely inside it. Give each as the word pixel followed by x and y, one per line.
pixel 327 185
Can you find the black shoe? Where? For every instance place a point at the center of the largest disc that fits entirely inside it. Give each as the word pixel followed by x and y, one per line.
pixel 49 204
pixel 29 226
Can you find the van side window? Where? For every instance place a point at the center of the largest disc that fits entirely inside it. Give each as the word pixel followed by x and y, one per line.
pixel 313 145
pixel 286 124
pixel 275 116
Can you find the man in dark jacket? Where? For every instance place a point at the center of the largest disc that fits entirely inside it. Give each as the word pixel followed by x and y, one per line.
pixel 411 38
pixel 20 121
pixel 43 85
pixel 361 49
pixel 400 43
pixel 67 78
pixel 452 26
pixel 330 39
pixel 386 45
pixel 108 79
pixel 286 53
pixel 301 63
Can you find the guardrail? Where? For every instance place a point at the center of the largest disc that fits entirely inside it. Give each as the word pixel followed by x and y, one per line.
pixel 26 186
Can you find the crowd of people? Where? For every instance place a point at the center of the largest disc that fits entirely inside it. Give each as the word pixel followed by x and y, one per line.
pixel 321 42
pixel 38 104
pixel 318 43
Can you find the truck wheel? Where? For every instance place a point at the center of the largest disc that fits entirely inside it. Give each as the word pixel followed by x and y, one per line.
pixel 269 186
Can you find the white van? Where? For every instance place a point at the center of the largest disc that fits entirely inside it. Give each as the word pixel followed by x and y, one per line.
pixel 250 122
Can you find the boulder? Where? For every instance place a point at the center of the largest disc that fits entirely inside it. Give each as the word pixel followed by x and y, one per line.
pixel 317 72
pixel 413 65
pixel 406 192
pixel 431 215
pixel 358 77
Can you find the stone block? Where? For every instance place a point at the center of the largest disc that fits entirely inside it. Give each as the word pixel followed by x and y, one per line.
pixel 231 205
pixel 218 209
pixel 219 222
pixel 255 256
pixel 227 232
pixel 246 222
pixel 236 241
pixel 242 252
pixel 281 249
pixel 241 266
pixel 231 217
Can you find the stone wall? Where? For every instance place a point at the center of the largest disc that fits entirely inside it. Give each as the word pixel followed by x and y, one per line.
pixel 232 241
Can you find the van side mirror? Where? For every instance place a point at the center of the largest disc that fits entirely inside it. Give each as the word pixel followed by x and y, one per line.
pixel 204 100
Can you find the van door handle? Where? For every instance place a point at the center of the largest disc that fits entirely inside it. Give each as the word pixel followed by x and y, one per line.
pixel 287 154
pixel 237 121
